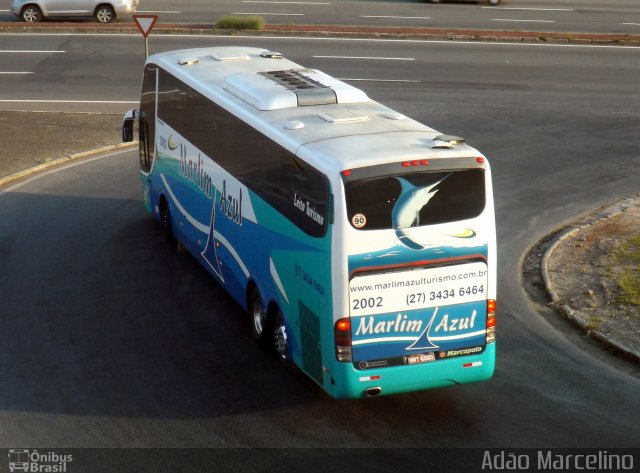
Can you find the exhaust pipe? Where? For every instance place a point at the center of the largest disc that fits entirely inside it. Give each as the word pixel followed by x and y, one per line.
pixel 372 392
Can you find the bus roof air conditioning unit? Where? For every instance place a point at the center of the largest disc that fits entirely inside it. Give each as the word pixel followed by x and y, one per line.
pixel 275 90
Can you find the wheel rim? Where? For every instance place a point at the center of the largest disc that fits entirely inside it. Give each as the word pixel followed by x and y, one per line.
pixel 31 15
pixel 104 15
pixel 257 315
pixel 281 342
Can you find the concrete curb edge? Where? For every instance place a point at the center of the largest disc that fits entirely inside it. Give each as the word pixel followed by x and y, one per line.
pixel 16 176
pixel 608 212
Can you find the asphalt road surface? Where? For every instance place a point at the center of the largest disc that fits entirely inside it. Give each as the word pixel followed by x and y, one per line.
pixel 575 16
pixel 110 339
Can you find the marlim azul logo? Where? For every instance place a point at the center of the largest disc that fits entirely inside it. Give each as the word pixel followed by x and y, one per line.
pixel 22 459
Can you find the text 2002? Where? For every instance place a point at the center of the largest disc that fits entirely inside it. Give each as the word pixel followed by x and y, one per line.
pixel 367 303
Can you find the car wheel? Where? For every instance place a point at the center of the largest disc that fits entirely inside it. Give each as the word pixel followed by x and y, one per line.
pixel 436 1
pixel 31 14
pixel 104 14
pixel 494 2
pixel 281 342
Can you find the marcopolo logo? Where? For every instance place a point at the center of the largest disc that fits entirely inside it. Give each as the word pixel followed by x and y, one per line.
pixel 22 459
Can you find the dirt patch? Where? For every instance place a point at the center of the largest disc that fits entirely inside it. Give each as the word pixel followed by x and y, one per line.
pixel 585 270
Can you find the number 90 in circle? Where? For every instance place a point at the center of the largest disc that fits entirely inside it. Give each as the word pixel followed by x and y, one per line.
pixel 358 220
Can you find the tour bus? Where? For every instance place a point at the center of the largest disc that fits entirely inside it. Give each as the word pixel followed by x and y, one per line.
pixel 360 242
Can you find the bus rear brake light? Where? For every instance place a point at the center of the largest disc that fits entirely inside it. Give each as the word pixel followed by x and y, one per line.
pixel 342 332
pixel 491 321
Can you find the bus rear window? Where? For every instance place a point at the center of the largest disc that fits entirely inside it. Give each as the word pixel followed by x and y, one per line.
pixel 415 199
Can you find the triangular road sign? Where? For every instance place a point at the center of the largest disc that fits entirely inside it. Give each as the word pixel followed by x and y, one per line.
pixel 145 23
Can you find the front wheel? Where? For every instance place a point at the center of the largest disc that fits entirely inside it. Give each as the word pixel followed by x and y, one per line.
pixel 31 14
pixel 494 2
pixel 167 226
pixel 104 14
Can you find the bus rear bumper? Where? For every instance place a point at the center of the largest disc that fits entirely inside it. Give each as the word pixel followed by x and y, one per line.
pixel 351 383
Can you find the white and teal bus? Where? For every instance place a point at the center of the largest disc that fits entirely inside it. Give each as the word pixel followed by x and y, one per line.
pixel 360 242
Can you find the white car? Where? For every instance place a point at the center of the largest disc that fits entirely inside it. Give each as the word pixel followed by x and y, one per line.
pixel 104 11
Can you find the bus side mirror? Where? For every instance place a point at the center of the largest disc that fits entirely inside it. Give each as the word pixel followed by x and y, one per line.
pixel 127 125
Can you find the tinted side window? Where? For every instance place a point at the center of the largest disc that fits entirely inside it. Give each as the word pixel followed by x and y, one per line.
pixel 147 118
pixel 291 186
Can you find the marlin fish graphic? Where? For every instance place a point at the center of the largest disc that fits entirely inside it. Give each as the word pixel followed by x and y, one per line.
pixel 406 211
pixel 423 342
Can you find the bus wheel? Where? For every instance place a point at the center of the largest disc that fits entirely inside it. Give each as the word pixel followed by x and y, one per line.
pixel 165 221
pixel 259 320
pixel 281 341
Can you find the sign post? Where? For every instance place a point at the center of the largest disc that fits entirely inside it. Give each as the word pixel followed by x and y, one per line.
pixel 145 24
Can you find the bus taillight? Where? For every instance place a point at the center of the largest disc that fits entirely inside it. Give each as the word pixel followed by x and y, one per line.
pixel 343 340
pixel 491 321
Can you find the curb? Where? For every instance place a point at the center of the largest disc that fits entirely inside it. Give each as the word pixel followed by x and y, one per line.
pixel 611 211
pixel 433 34
pixel 60 161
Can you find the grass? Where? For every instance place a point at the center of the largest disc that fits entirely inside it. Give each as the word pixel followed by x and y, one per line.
pixel 628 259
pixel 240 23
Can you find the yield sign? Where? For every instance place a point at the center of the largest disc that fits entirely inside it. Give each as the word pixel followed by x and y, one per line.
pixel 145 23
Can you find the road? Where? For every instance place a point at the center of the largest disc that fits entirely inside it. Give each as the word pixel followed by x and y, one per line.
pixel 574 16
pixel 110 339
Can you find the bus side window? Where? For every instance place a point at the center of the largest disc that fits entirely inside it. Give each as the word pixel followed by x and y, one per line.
pixel 143 144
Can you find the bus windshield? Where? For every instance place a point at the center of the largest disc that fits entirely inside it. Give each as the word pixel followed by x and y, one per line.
pixel 415 199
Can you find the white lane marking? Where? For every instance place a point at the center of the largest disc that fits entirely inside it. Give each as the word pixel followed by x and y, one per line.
pixel 408 81
pixel 530 9
pixel 397 17
pixel 15 72
pixel 368 57
pixel 523 21
pixel 168 12
pixel 28 51
pixel 318 38
pixel 632 24
pixel 287 3
pixel 269 14
pixel 64 101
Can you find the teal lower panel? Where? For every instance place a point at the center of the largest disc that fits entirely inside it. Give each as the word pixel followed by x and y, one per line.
pixel 351 383
pixel 311 342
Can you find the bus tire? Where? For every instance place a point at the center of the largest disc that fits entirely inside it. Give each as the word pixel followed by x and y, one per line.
pixel 167 226
pixel 281 342
pixel 259 322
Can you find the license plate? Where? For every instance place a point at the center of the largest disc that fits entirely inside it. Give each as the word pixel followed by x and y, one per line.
pixel 420 358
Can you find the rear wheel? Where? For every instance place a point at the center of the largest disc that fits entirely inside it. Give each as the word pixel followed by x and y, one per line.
pixel 281 342
pixel 260 328
pixel 494 2
pixel 104 14
pixel 31 14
